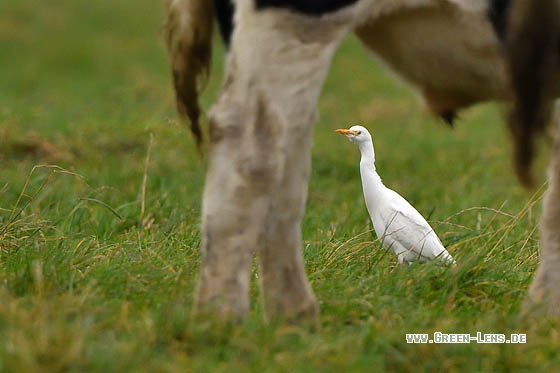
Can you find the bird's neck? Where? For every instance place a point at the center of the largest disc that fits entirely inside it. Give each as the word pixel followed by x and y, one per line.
pixel 368 155
pixel 369 173
pixel 367 167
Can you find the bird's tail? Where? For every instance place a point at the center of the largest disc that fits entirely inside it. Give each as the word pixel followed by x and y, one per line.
pixel 188 35
pixel 446 258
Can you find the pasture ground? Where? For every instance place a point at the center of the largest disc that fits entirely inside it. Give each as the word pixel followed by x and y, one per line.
pixel 100 190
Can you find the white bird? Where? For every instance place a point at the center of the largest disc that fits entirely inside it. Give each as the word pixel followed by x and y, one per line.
pixel 397 224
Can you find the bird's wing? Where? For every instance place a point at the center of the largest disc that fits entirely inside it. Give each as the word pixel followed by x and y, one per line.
pixel 407 226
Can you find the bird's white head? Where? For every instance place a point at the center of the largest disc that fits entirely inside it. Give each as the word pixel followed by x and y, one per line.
pixel 356 134
pixel 361 137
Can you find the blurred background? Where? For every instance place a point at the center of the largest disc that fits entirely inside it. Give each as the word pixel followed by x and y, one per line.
pixel 100 189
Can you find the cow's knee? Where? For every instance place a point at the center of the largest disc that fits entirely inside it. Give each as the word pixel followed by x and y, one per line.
pixel 250 136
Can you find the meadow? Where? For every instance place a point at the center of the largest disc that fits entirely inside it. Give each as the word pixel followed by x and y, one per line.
pixel 100 191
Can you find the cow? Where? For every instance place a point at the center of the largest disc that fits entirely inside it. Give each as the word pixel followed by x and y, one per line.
pixel 456 53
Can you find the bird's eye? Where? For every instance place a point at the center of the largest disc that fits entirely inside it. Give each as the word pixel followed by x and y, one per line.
pixel 358 132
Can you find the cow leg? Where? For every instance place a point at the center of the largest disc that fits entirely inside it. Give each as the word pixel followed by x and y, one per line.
pixel 286 291
pixel 260 136
pixel 545 289
pixel 243 166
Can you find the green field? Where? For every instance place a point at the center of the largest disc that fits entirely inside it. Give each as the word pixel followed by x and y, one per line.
pixel 100 191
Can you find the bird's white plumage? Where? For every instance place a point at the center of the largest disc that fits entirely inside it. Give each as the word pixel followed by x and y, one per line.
pixel 396 222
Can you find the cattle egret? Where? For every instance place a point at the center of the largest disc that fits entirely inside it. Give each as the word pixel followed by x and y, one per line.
pixel 398 225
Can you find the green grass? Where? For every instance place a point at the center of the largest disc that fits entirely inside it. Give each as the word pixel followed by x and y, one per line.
pixel 99 213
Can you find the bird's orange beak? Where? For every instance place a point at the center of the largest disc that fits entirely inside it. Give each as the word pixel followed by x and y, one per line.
pixel 345 132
